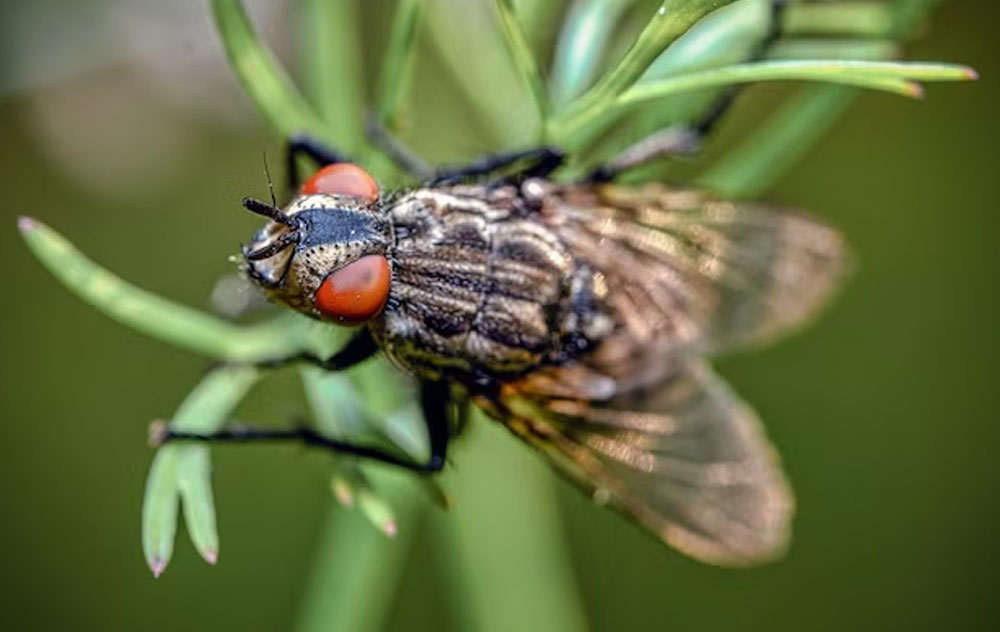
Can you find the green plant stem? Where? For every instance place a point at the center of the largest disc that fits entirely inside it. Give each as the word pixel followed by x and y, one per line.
pixel 262 76
pixel 670 21
pixel 859 19
pixel 330 58
pixel 397 62
pixel 524 60
pixel 505 490
pixel 754 166
pixel 863 49
pixel 889 76
pixel 760 160
pixel 583 40
pixel 182 472
pixel 355 568
pixel 166 320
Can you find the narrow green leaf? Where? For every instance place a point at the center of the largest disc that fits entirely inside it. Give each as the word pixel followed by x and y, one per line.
pixel 194 480
pixel 183 471
pixel 857 19
pixel 803 49
pixel 378 511
pixel 168 321
pixel 343 487
pixel 766 155
pixel 406 429
pixel 331 59
pixel 262 76
pixel 889 76
pixel 340 412
pixel 731 35
pixel 501 106
pixel 669 22
pixel 159 511
pixel 524 60
pixel 503 490
pixel 583 40
pixel 351 486
pixel 355 571
pixel 754 166
pixel 909 14
pixel 334 402
pixel 209 405
pixel 397 61
pixel 728 36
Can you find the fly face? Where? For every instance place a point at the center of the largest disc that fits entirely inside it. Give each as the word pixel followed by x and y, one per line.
pixel 323 255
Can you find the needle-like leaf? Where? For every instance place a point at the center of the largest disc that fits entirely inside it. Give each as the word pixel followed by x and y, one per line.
pixel 164 319
pixel 194 481
pixel 894 77
pixel 183 471
pixel 858 19
pixel 524 59
pixel 262 76
pixel 668 23
pixel 159 512
pixel 397 61
pixel 332 67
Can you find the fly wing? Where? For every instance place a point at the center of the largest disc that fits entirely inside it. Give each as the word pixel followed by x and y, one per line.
pixel 700 274
pixel 682 456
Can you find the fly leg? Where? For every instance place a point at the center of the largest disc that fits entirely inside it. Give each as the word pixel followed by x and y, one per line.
pixel 687 138
pixel 303 144
pixel 396 150
pixel 359 348
pixel 538 162
pixel 435 400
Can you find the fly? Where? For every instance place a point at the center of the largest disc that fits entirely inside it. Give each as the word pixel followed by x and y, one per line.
pixel 578 315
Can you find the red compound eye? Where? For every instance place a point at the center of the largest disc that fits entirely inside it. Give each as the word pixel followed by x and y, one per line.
pixel 356 292
pixel 342 178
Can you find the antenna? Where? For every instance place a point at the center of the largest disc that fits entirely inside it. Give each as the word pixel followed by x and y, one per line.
pixel 270 182
pixel 272 248
pixel 270 211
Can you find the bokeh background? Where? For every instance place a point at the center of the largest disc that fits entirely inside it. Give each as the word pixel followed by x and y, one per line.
pixel 123 128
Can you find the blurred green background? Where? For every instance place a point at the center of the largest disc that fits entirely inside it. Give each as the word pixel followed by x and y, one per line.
pixel 124 130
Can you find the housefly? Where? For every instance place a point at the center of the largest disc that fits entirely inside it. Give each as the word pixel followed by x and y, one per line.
pixel 578 315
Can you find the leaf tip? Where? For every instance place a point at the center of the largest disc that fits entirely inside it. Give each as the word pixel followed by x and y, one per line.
pixel 343 493
pixel 971 74
pixel 210 555
pixel 26 224
pixel 391 529
pixel 914 90
pixel 157 566
pixel 157 433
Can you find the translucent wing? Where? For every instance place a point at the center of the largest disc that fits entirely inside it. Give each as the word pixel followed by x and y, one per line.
pixel 689 272
pixel 683 457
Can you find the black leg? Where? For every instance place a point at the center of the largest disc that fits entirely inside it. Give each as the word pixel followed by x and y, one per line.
pixel 539 163
pixel 685 139
pixel 435 400
pixel 666 142
pixel 359 348
pixel 316 150
pixel 396 150
pixel 301 434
